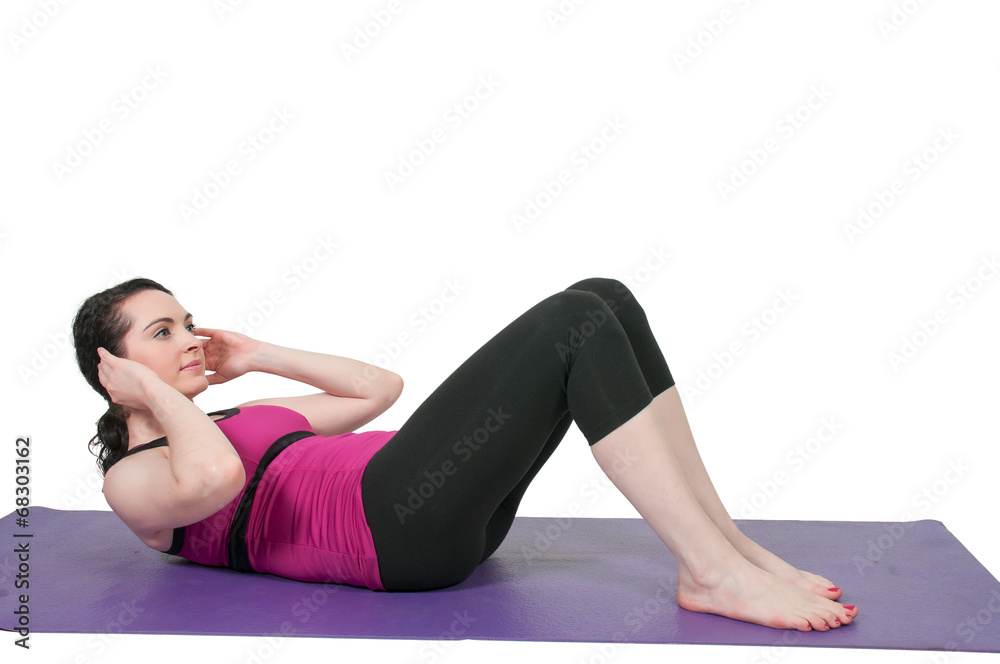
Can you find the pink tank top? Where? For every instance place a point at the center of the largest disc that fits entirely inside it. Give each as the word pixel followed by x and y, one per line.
pixel 300 513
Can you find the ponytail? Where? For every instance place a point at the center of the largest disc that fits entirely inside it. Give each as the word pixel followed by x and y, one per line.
pixel 112 436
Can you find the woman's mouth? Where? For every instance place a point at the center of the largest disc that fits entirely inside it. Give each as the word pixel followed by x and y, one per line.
pixel 192 366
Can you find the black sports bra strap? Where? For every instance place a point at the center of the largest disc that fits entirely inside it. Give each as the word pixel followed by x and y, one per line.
pixel 159 442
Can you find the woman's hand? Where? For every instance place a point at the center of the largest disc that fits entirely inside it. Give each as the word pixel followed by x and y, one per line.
pixel 125 380
pixel 227 354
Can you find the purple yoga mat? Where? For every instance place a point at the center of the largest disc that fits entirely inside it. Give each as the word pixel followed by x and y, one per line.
pixel 596 580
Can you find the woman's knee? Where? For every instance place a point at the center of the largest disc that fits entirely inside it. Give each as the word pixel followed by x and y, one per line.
pixel 611 290
pixel 564 312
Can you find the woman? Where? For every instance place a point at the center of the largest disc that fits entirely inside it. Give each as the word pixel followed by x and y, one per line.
pixel 285 486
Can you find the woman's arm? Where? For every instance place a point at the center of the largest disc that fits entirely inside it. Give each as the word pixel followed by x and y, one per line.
pixel 199 453
pixel 354 392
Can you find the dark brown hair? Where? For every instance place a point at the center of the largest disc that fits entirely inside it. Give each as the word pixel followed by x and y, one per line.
pixel 101 322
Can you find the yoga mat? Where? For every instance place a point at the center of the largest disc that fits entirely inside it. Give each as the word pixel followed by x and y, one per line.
pixel 593 580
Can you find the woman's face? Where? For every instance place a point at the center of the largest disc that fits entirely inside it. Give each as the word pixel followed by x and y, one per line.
pixel 161 339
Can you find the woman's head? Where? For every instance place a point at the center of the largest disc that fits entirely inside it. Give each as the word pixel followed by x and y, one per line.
pixel 139 320
pixel 161 337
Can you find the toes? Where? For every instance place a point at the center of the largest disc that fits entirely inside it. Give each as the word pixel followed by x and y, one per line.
pixel 823 581
pixel 844 616
pixel 821 585
pixel 831 592
pixel 819 623
pixel 802 625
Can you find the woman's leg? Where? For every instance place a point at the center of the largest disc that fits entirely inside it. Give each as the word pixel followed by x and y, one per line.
pixel 674 424
pixel 712 576
pixel 503 518
pixel 441 494
pixel 598 380
pixel 652 364
pixel 673 421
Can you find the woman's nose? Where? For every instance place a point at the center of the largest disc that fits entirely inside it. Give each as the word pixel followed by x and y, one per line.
pixel 194 343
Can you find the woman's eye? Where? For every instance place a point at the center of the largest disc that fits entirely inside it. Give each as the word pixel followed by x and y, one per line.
pixel 165 332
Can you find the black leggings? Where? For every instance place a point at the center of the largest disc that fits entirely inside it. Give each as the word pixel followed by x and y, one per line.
pixel 441 495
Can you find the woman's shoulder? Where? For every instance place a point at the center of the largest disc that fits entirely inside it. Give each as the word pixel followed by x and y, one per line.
pixel 161 443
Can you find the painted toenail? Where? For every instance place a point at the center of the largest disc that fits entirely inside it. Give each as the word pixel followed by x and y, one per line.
pixel 849 607
pixel 834 589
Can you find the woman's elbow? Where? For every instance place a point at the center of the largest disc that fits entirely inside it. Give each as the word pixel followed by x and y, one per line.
pixel 394 387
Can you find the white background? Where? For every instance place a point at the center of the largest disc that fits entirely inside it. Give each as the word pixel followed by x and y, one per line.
pixel 845 95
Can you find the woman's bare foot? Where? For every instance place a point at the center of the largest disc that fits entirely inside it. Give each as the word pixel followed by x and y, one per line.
pixel 673 425
pixel 769 562
pixel 743 591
